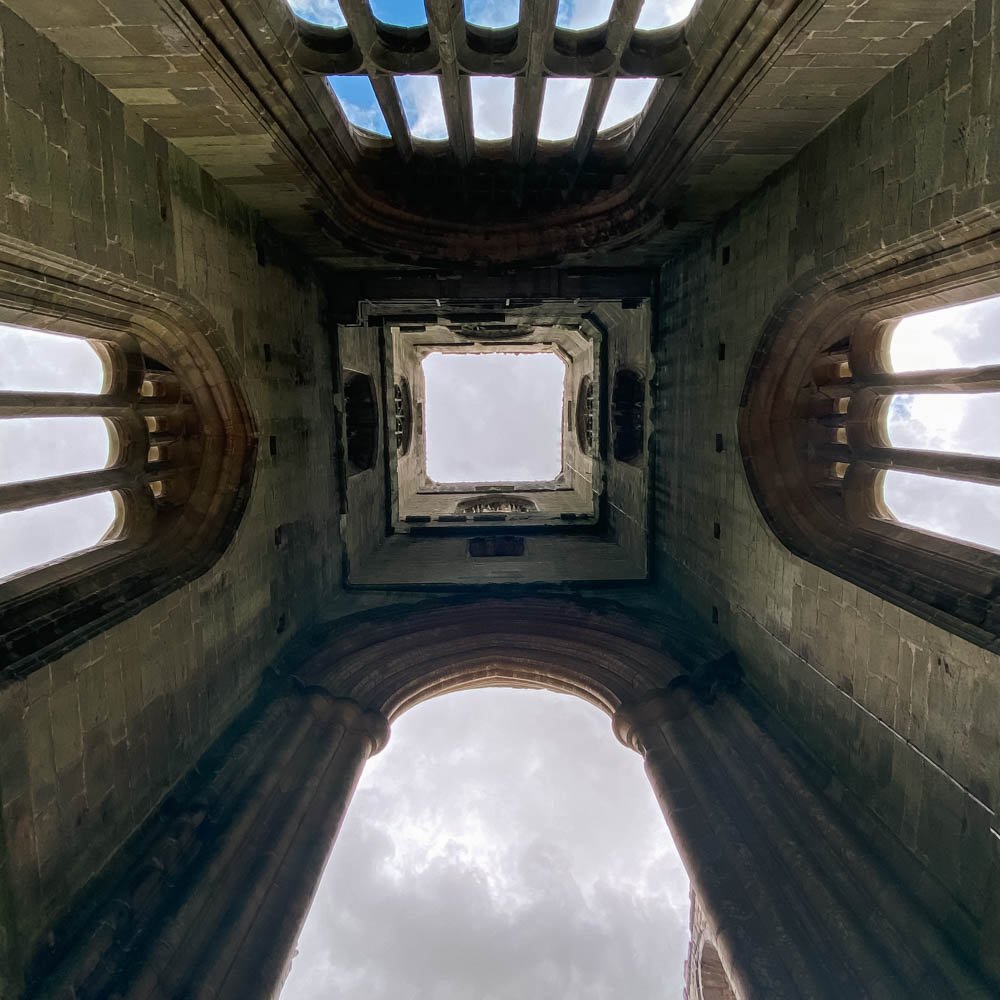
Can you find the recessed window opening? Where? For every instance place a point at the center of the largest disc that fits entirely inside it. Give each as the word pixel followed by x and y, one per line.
pixel 361 418
pixel 492 13
pixel 661 13
pixel 326 12
pixel 578 14
pixel 405 13
pixel 493 418
pixel 357 100
pixel 961 336
pixel 492 107
pixel 421 100
pixel 562 107
pixel 964 423
pixel 38 448
pixel 628 99
pixel 41 447
pixel 39 535
pixel 34 361
pixel 502 845
pixel 966 511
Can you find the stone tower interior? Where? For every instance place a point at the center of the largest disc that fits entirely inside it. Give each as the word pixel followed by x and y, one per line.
pixel 813 682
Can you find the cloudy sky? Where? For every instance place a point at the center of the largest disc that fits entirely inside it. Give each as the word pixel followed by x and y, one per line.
pixel 966 336
pixel 476 434
pixel 504 846
pixel 497 13
pixel 36 449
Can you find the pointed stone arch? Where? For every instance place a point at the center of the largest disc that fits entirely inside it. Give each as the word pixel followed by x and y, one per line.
pixel 213 895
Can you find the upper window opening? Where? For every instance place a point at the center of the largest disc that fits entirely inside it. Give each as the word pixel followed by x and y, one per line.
pixel 493 418
pixel 361 417
pixel 421 100
pixel 357 100
pixel 326 12
pixel 966 511
pixel 492 13
pixel 41 447
pixel 404 13
pixel 578 14
pixel 661 13
pixel 585 415
pixel 562 107
pixel 492 107
pixel 496 504
pixel 628 400
pixel 960 336
pixel 402 415
pixel 628 99
pixel 34 361
pixel 40 535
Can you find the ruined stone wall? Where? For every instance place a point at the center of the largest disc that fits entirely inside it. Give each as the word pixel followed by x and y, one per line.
pixel 91 742
pixel 906 715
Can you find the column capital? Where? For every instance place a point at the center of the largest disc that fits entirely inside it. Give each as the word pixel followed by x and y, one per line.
pixel 348 713
pixel 632 722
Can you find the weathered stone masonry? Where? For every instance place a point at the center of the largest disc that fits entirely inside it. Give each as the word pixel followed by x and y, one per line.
pixel 90 742
pixel 904 713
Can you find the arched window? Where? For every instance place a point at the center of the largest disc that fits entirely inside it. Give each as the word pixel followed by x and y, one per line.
pixel 628 400
pixel 585 415
pixel 496 504
pixel 868 429
pixel 361 417
pixel 125 456
pixel 403 408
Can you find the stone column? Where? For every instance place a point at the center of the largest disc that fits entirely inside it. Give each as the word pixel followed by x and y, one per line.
pixel 214 904
pixel 795 904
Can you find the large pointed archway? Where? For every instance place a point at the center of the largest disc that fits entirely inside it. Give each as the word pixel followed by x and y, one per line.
pixel 794 903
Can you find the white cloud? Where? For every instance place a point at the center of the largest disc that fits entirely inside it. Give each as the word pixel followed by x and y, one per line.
pixel 628 98
pixel 962 336
pixel 579 14
pixel 492 107
pixel 503 847
pixel 969 512
pixel 492 13
pixel 33 537
pixel 319 11
pixel 45 362
pixel 660 13
pixel 562 107
pixel 42 448
pixel 422 105
pixel 493 417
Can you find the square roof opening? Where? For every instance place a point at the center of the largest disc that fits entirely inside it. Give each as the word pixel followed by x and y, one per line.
pixel 493 417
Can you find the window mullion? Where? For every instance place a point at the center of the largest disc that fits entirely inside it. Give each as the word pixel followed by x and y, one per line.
pixel 38 492
pixel 621 27
pixel 983 379
pixel 972 468
pixel 530 88
pixel 455 89
pixel 392 111
pixel 61 404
